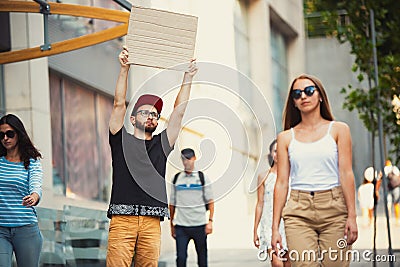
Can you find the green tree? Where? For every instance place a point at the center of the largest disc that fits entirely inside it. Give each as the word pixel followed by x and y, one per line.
pixel 349 21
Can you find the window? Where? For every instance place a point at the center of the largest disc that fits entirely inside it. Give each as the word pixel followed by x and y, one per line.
pixel 242 44
pixel 317 26
pixel 279 73
pixel 81 154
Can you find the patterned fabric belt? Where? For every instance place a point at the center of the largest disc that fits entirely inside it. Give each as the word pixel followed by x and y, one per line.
pixel 136 210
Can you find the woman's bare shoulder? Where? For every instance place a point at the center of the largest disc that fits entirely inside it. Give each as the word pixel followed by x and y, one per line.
pixel 285 136
pixel 341 127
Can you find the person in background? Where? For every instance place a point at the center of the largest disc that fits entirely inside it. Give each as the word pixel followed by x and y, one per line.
pixel 263 213
pixel 316 153
pixel 191 197
pixel 393 197
pixel 21 189
pixel 366 196
pixel 138 197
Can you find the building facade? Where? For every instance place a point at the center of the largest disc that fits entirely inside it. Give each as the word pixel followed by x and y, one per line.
pixel 66 100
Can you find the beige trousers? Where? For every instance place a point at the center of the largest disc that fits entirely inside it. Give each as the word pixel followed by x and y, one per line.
pixel 138 236
pixel 314 225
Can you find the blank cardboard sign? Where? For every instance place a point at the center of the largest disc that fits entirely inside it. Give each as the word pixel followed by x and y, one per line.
pixel 160 39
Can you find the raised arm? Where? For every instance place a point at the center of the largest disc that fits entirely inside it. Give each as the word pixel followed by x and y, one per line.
pixel 346 177
pixel 175 121
pixel 119 108
pixel 281 186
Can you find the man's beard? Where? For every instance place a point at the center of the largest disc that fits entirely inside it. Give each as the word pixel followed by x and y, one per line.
pixel 147 129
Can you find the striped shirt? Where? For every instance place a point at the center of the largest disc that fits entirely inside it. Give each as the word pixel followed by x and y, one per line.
pixel 15 183
pixel 188 199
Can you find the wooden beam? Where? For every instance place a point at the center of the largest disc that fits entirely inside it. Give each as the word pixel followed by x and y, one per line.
pixel 70 44
pixel 19 6
pixel 67 9
pixel 64 46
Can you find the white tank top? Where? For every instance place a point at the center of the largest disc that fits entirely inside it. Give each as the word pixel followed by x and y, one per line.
pixel 314 166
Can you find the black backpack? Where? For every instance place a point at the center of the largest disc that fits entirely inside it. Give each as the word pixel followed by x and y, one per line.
pixel 394 181
pixel 202 181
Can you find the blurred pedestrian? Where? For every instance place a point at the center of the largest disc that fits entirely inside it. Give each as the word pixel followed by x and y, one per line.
pixel 191 198
pixel 263 214
pixel 393 198
pixel 366 196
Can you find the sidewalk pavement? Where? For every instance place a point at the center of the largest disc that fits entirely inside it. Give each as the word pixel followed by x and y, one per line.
pixel 362 247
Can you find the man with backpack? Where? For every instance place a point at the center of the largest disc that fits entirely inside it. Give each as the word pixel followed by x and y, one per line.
pixel 191 198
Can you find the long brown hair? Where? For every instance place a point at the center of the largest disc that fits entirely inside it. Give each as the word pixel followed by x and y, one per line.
pixel 292 116
pixel 26 150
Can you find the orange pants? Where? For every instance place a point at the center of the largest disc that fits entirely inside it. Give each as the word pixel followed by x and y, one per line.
pixel 134 236
pixel 314 226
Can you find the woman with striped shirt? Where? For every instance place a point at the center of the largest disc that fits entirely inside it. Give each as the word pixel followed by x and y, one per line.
pixel 20 190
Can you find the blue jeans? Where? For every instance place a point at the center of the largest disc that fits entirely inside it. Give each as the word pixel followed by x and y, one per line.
pixel 26 241
pixel 183 234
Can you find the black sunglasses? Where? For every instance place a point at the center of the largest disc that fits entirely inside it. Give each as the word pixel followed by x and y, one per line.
pixel 9 134
pixel 309 91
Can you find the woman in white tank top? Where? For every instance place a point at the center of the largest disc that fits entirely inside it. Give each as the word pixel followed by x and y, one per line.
pixel 315 152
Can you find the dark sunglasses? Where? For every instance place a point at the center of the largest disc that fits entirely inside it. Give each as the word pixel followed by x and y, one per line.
pixel 9 134
pixel 309 91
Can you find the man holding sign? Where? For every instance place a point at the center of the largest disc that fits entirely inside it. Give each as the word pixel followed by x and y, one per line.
pixel 138 198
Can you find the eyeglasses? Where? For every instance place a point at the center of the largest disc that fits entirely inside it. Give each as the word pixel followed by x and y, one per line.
pixel 9 134
pixel 309 91
pixel 147 113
